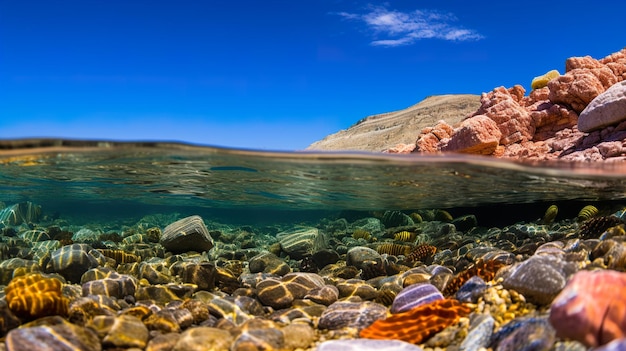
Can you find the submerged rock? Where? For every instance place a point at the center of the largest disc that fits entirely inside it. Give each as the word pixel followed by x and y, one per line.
pixel 592 308
pixel 539 279
pixel 187 234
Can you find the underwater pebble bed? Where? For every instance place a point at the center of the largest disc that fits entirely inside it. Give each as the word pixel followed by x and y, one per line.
pixel 391 280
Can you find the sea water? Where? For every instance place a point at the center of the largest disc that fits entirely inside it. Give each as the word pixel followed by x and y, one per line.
pixel 102 180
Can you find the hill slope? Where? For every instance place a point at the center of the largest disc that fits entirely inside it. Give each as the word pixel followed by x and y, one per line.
pixel 381 132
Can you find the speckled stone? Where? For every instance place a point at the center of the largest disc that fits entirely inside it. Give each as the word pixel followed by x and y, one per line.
pixel 187 234
pixel 415 295
pixel 540 278
pixel 267 262
pixel 204 339
pixel 479 335
pixel 72 261
pixel 358 315
pixel 525 334
pixel 64 336
pixel 471 290
pixel 367 345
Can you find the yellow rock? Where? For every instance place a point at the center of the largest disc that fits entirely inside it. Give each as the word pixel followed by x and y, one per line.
pixel 542 81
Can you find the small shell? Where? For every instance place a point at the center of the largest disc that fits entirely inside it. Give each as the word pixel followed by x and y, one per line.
pixel 587 212
pixel 405 236
pixel 550 214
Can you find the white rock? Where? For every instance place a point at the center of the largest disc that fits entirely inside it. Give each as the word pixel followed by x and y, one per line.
pixel 606 109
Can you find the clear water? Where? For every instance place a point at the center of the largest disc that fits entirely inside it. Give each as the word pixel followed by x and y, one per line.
pixel 88 180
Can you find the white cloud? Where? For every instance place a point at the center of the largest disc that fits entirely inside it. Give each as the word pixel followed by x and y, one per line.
pixel 404 28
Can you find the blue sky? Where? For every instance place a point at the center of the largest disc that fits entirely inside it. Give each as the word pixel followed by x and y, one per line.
pixel 270 74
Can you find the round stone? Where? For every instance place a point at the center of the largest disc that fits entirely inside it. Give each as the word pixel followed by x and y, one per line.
pixel 415 295
pixel 204 338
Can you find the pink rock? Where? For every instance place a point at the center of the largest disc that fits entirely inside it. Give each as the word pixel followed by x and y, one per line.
pixel 477 135
pixel 429 140
pixel 401 149
pixel 576 88
pixel 591 308
pixel 503 106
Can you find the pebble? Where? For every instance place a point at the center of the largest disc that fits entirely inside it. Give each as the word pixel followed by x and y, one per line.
pixel 479 335
pixel 367 345
pixel 58 337
pixel 203 339
pixel 301 242
pixel 72 261
pixel 361 256
pixel 187 234
pixel 237 296
pixel 267 262
pixel 358 315
pixel 415 295
pixel 540 278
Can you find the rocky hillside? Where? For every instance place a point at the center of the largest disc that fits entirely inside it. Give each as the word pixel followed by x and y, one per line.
pixel 384 131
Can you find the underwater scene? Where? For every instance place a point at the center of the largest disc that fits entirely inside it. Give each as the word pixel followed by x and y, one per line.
pixel 167 246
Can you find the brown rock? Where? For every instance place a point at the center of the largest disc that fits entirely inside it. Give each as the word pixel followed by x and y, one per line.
pixel 477 135
pixel 503 106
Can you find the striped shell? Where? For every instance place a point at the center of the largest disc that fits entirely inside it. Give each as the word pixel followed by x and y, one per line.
pixel 394 249
pixel 550 214
pixel 587 212
pixel 405 236
pixel 361 234
pixel 420 252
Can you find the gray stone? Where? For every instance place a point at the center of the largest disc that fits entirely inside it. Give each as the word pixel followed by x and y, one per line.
pixel 606 109
pixel 360 256
pixel 540 278
pixel 479 335
pixel 367 345
pixel 301 242
pixel 344 314
pixel 187 234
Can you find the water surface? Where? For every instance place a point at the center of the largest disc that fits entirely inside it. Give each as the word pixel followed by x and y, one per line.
pixel 104 178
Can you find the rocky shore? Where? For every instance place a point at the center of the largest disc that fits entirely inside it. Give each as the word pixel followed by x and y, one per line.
pixel 425 280
pixel 578 116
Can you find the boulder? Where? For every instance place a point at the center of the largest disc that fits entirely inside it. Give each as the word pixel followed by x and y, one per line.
pixel 503 106
pixel 477 135
pixel 187 234
pixel 606 109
